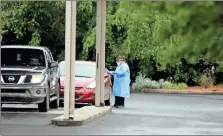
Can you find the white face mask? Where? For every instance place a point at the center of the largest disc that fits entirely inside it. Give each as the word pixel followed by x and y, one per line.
pixel 118 63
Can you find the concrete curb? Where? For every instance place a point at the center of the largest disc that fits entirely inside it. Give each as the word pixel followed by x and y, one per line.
pixel 83 116
pixel 211 92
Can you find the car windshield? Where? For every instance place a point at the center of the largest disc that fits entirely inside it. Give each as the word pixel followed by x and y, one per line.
pixel 22 57
pixel 81 70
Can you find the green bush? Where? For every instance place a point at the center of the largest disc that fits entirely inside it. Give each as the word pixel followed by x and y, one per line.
pixel 206 80
pixel 164 83
pixel 175 86
pixel 182 86
pixel 145 83
pixel 168 86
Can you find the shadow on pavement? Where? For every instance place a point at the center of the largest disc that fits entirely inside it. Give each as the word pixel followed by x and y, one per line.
pixel 29 109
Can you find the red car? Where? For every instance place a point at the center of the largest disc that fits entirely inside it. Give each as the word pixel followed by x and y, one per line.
pixel 85 83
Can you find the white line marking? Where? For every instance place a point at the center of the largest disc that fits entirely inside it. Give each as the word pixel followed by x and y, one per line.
pixel 31 106
pixel 58 111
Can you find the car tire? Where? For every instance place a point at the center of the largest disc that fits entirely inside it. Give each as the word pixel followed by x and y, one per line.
pixel 61 104
pixel 55 103
pixel 44 106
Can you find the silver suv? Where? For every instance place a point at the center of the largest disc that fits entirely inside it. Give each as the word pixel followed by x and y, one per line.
pixel 29 76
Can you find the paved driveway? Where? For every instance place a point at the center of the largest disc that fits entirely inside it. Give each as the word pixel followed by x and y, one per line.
pixel 144 114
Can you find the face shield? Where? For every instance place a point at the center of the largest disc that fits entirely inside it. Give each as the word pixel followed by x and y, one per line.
pixel 119 61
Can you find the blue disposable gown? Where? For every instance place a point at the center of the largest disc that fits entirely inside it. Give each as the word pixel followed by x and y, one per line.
pixel 121 85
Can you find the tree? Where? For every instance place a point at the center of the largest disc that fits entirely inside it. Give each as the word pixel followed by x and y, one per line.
pixel 168 31
pixel 42 23
pixel 156 33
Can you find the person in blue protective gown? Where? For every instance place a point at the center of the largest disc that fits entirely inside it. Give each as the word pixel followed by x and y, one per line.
pixel 121 84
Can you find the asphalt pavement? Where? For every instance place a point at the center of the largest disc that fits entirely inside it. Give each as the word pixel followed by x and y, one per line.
pixel 144 114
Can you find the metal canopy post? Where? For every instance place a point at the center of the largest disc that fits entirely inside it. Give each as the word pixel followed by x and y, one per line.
pixel 100 52
pixel 70 54
pixel 102 48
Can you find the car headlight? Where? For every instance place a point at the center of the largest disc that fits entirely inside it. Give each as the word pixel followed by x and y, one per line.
pixel 91 86
pixel 37 78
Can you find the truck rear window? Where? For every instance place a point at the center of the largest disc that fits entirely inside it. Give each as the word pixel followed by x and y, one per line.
pixel 22 57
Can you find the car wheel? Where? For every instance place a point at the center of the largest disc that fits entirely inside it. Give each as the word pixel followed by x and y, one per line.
pixel 44 106
pixel 55 103
pixel 61 104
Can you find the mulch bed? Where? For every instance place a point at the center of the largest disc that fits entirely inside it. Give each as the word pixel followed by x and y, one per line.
pixel 214 88
pixel 218 88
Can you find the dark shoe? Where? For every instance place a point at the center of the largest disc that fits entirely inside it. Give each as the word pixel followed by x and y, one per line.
pixel 115 106
pixel 120 106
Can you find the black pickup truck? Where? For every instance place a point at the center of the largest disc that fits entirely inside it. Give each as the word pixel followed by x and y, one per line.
pixel 29 76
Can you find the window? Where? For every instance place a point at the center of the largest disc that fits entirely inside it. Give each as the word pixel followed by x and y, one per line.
pixel 47 58
pixel 50 55
pixel 81 69
pixel 22 57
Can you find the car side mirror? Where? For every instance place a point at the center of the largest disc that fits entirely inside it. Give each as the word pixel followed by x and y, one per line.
pixel 53 64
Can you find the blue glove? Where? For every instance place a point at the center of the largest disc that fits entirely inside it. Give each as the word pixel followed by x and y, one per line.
pixel 107 70
pixel 110 72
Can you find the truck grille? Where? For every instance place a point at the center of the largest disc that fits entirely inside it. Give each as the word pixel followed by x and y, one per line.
pixel 11 78
pixel 28 79
pixel 13 90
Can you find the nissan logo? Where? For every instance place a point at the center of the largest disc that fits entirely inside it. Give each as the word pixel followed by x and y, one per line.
pixel 11 79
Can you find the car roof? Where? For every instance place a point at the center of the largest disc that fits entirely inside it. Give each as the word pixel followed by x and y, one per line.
pixel 24 47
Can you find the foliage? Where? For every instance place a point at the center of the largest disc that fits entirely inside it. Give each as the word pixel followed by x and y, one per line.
pixel 164 83
pixel 206 80
pixel 189 73
pixel 152 35
pixel 175 86
pixel 145 83
pixel 42 23
pixel 169 30
pixel 166 32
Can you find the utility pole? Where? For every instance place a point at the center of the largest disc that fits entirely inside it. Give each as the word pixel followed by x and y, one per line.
pixel 100 52
pixel 70 57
